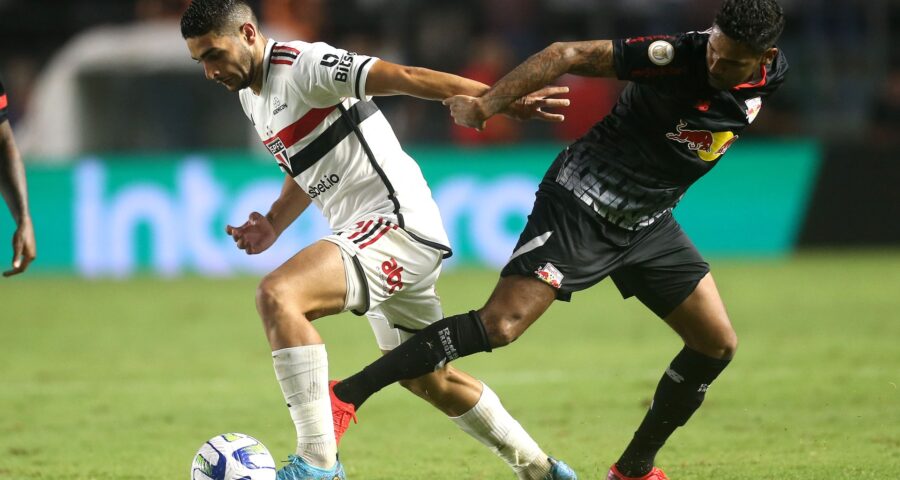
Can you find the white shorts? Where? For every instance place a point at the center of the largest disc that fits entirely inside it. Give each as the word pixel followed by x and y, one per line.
pixel 390 278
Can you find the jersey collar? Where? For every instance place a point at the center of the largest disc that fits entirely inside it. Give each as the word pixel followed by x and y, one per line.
pixel 759 83
pixel 267 56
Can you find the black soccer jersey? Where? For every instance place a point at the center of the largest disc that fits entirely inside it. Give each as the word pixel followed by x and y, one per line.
pixel 668 128
pixel 3 103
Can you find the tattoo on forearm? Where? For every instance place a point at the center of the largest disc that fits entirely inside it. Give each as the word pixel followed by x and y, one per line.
pixel 539 70
pixel 592 58
pixel 595 60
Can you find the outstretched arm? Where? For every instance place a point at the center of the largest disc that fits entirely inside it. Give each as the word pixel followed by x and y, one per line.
pixel 589 59
pixel 12 186
pixel 260 231
pixel 386 78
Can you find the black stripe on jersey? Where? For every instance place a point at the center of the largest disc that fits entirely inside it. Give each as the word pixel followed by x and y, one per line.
pixel 392 194
pixel 387 183
pixel 332 136
pixel 359 76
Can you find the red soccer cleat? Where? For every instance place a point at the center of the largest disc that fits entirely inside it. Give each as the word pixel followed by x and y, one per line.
pixel 341 413
pixel 655 474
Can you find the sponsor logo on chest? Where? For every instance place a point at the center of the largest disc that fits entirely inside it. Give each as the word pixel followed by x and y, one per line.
pixel 709 145
pixel 325 184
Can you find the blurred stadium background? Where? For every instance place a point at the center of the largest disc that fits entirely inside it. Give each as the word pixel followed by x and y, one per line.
pixel 135 163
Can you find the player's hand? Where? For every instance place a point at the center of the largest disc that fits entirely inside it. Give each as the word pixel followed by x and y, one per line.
pixel 255 236
pixel 530 107
pixel 24 249
pixel 466 111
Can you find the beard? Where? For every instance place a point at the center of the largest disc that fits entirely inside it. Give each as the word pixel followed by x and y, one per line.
pixel 246 61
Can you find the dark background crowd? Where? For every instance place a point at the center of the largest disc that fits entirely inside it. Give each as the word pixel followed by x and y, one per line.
pixel 844 85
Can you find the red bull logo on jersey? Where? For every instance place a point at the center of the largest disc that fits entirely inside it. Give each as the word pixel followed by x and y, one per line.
pixel 708 145
pixel 549 274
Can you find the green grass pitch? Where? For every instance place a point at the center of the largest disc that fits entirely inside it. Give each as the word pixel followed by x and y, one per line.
pixel 107 380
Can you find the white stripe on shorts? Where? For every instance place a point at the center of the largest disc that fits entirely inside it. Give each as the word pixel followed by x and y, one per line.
pixel 530 245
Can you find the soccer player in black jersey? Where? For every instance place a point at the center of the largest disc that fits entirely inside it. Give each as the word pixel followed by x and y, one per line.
pixel 13 188
pixel 604 207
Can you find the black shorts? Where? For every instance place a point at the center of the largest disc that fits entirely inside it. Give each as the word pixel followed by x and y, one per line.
pixel 572 249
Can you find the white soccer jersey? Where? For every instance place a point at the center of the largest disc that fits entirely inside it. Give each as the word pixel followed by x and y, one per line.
pixel 313 114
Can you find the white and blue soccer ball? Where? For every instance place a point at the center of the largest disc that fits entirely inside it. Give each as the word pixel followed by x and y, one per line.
pixel 233 456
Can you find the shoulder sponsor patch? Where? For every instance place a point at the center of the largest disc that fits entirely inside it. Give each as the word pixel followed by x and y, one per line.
pixel 661 52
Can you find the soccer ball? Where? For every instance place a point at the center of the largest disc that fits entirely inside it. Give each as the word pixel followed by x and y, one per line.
pixel 233 456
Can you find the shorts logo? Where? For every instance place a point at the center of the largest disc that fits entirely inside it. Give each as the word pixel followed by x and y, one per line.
pixel 661 53
pixel 549 274
pixel 393 274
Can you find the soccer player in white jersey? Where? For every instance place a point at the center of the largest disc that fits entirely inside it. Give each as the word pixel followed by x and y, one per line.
pixel 311 105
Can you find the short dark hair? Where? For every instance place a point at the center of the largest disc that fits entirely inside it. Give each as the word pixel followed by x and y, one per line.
pixel 755 23
pixel 218 16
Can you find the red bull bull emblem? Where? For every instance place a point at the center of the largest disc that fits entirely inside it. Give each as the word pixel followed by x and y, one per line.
pixel 549 274
pixel 708 145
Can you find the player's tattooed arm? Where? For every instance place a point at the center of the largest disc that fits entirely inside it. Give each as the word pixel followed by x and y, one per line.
pixel 524 89
pixel 592 58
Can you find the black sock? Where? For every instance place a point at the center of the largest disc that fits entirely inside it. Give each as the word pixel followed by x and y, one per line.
pixel 679 393
pixel 441 342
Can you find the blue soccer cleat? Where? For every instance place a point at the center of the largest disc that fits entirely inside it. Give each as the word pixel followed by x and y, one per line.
pixel 298 469
pixel 560 471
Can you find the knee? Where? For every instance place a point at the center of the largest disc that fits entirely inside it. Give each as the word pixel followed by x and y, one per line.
pixel 272 298
pixel 502 327
pixel 729 345
pixel 723 345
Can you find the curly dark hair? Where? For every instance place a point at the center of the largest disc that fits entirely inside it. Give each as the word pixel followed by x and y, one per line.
pixel 755 23
pixel 219 16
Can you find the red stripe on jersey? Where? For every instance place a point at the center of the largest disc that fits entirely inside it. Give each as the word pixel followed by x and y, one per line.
pixel 376 237
pixel 282 62
pixel 285 48
pixel 3 102
pixel 292 133
pixel 754 85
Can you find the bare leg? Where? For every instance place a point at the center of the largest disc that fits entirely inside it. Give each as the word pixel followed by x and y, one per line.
pixel 309 285
pixel 702 322
pixel 515 304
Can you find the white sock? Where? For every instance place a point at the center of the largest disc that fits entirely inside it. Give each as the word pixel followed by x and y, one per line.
pixel 490 423
pixel 303 375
